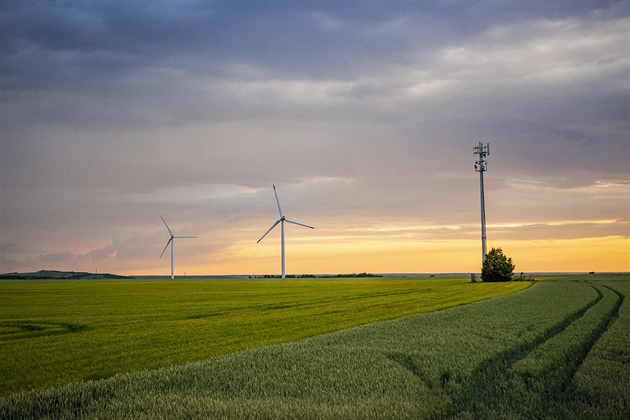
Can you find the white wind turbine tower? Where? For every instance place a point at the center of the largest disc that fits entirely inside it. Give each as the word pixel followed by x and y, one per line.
pixel 171 242
pixel 281 220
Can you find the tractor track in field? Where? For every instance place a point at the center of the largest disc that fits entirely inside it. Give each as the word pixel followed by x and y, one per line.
pixel 16 330
pixel 494 377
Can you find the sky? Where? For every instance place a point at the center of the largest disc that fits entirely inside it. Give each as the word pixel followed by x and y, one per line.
pixel 363 114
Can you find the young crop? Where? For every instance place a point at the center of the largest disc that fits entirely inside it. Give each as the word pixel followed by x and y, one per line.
pixel 52 333
pixel 497 358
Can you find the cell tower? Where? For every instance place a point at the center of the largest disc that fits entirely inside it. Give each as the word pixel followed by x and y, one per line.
pixel 481 166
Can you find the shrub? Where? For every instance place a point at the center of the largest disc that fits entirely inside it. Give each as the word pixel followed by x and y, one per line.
pixel 497 267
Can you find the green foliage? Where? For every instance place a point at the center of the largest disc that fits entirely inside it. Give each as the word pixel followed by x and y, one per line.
pixel 559 349
pixel 497 267
pixel 56 332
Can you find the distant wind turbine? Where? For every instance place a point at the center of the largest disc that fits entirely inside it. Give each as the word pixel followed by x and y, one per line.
pixel 171 242
pixel 281 220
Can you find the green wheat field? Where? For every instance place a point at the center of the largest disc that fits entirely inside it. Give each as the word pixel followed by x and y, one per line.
pixel 386 348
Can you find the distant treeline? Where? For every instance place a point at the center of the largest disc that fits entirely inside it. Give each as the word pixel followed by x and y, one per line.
pixel 317 276
pixel 53 274
pixel 78 275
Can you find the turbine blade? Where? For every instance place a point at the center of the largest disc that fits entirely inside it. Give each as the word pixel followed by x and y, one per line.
pixel 272 226
pixel 299 224
pixel 167 244
pixel 277 201
pixel 183 237
pixel 169 229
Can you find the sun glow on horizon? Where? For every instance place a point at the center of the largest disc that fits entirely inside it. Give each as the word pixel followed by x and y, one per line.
pixel 606 254
pixel 393 246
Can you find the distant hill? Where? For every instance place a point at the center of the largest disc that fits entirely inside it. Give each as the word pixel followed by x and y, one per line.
pixel 53 274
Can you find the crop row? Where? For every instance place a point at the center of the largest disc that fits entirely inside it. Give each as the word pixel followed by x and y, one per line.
pixel 52 333
pixel 536 377
pixel 558 349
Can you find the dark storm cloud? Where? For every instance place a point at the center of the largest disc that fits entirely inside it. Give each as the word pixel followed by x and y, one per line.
pixel 170 62
pixel 298 38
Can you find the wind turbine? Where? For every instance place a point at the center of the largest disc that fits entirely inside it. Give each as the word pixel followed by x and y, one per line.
pixel 281 220
pixel 171 242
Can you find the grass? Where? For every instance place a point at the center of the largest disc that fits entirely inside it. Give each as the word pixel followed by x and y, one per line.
pixel 57 332
pixel 557 350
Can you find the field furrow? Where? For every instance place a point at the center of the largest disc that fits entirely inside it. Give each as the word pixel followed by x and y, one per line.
pixel 542 369
pixel 601 385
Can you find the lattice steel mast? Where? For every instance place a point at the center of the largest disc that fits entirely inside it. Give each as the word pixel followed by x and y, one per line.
pixel 481 166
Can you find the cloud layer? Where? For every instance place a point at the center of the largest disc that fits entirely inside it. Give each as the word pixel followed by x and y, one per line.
pixel 364 114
